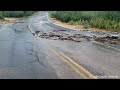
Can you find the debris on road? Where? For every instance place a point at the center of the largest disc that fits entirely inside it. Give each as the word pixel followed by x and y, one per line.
pixel 108 39
pixel 77 37
pixel 59 36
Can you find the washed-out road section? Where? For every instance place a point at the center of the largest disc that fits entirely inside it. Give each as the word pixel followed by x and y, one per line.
pixel 54 52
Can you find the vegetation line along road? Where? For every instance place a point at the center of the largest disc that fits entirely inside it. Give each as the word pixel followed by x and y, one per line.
pixel 13 16
pixel 15 13
pixel 108 20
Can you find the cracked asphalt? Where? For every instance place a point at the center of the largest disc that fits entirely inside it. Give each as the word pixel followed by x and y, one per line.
pixel 18 59
pixel 24 56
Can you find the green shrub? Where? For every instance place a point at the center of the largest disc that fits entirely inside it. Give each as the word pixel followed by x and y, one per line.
pixel 1 15
pixel 6 13
pixel 28 13
pixel 86 26
pixel 17 13
pixel 109 20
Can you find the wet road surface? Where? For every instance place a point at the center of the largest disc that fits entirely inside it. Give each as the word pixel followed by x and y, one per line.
pixel 54 52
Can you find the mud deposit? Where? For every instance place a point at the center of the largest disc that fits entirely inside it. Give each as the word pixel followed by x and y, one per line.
pixel 108 39
pixel 77 37
pixel 55 35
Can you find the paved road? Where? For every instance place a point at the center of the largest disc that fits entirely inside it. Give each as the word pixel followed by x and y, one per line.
pixel 27 56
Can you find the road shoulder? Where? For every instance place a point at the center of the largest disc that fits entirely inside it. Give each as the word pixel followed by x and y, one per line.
pixel 74 27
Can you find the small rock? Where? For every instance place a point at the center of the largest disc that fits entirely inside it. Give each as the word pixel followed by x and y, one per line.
pixel 63 38
pixel 36 32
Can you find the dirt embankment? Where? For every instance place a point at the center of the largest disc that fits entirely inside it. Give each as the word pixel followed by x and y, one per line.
pixel 77 27
pixel 10 20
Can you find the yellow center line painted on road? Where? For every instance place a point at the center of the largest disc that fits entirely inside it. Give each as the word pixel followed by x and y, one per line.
pixel 62 58
pixel 69 61
pixel 73 67
pixel 76 64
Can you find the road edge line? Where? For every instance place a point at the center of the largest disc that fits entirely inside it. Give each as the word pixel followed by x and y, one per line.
pixel 106 45
pixel 60 25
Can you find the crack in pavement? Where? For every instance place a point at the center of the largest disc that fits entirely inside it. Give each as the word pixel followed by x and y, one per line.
pixel 35 53
pixel 37 57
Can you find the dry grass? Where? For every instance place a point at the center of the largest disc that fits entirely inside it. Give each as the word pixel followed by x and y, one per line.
pixel 78 27
pixel 9 20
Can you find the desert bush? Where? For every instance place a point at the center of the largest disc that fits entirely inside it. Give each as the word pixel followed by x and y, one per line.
pixel 17 13
pixel 109 20
pixel 1 15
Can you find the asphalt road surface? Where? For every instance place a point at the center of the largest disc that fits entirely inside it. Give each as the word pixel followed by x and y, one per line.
pixel 50 54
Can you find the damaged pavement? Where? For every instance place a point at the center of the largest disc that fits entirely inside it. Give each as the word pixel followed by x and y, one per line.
pixel 59 35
